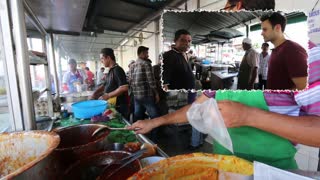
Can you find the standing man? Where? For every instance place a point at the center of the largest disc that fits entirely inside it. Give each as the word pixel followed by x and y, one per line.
pixel 90 78
pixel 144 88
pixel 263 66
pixel 249 65
pixel 177 74
pixel 130 93
pixel 191 58
pixel 143 84
pixel 73 78
pixel 131 63
pixel 288 61
pixel 100 76
pixel 116 83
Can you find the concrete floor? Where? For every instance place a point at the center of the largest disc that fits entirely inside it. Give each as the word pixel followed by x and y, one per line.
pixel 174 140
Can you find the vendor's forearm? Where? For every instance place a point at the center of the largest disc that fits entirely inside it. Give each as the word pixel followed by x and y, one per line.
pixel 301 129
pixel 98 92
pixel 179 116
pixel 120 90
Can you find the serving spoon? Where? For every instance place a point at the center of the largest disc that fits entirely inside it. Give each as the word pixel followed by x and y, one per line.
pixel 105 127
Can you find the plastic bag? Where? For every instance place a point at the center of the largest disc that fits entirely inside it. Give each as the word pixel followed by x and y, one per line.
pixel 206 118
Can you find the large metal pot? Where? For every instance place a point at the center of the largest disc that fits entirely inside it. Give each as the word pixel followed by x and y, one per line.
pixel 76 143
pixel 24 155
pixel 91 168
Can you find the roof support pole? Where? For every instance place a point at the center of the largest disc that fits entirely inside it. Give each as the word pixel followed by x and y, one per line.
pixel 23 62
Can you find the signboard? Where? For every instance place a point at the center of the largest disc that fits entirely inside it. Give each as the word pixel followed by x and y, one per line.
pixel 314 26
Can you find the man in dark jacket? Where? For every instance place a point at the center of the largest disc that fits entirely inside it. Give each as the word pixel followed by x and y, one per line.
pixel 177 74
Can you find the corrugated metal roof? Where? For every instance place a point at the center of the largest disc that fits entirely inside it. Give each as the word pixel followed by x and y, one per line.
pixel 200 24
pixel 75 16
pixel 100 23
pixel 122 15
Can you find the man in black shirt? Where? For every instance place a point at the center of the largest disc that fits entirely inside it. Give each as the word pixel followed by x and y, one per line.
pixel 177 74
pixel 115 85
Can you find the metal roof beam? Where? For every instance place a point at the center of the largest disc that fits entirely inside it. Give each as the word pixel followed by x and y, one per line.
pixel 34 19
pixel 117 19
pixel 138 4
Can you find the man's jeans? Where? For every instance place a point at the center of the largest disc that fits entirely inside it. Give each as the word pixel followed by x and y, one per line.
pixel 141 106
pixel 196 137
pixel 145 104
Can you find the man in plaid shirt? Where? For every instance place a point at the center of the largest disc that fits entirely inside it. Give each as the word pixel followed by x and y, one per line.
pixel 143 85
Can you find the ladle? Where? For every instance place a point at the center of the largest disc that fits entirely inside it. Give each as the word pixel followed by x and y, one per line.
pixel 109 128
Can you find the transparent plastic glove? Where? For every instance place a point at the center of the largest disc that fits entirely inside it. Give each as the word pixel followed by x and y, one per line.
pixel 206 118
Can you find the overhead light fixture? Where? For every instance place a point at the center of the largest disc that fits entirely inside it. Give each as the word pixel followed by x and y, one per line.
pixel 124 42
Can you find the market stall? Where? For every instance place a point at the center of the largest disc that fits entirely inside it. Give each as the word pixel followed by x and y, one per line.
pixel 80 149
pixel 117 121
pixel 71 149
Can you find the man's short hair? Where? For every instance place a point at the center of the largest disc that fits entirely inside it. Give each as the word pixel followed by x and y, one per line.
pixel 142 49
pixel 102 68
pixel 255 4
pixel 265 44
pixel 274 19
pixel 86 68
pixel 108 52
pixel 179 33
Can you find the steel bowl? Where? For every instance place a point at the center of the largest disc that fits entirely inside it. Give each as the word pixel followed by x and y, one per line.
pixel 24 154
pixel 77 142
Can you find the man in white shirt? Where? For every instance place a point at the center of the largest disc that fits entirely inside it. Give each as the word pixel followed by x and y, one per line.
pixel 263 66
pixel 100 76
pixel 247 77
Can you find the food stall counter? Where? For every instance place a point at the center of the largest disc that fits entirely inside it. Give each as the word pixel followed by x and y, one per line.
pixel 222 79
pixel 115 136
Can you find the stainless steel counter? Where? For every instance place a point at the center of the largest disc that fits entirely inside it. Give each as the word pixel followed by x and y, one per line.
pixel 144 139
pixel 224 74
pixel 222 79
